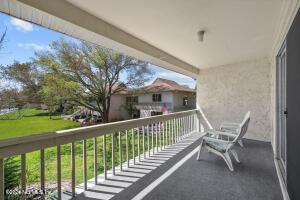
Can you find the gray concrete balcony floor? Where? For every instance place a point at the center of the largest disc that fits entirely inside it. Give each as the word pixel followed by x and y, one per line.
pixel 254 178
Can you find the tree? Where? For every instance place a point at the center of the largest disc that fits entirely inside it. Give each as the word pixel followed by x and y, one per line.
pixel 11 98
pixel 55 91
pixel 97 71
pixel 26 76
pixel 1 47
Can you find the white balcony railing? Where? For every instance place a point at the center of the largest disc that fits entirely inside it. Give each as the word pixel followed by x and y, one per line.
pixel 153 134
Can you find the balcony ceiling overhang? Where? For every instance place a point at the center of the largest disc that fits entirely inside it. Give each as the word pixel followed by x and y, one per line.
pixel 163 32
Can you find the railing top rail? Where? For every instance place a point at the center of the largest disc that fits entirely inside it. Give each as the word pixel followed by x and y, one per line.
pixel 16 146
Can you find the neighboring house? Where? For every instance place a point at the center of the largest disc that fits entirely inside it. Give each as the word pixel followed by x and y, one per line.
pixel 162 96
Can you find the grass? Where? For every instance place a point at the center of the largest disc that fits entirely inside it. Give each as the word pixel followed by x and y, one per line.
pixel 37 121
pixel 34 121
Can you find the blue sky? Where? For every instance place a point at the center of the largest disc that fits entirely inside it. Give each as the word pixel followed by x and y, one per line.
pixel 23 39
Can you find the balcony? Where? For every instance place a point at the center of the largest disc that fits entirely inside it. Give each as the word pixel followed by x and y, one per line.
pixel 158 164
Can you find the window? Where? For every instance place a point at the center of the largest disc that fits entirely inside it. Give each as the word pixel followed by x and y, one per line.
pixel 132 100
pixel 156 97
pixel 185 101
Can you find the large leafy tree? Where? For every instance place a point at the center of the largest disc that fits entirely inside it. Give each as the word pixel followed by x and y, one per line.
pixel 26 77
pixel 96 70
pixel 55 91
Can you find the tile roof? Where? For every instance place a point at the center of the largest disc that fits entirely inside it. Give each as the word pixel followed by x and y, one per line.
pixel 163 85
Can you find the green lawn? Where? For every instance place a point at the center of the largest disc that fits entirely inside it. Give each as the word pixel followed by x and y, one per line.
pixel 34 121
pixel 37 121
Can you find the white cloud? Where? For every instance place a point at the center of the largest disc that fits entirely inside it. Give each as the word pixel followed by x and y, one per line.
pixel 36 47
pixel 21 25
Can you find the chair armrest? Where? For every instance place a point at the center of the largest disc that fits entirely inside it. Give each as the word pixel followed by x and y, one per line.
pixel 216 140
pixel 227 133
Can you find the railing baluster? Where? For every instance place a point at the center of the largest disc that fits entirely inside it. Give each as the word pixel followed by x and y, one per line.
pixel 177 130
pixel 84 166
pixel 95 161
pixel 159 135
pixel 42 169
pixel 163 133
pixel 120 151
pixel 1 178
pixel 172 131
pixel 156 137
pixel 133 145
pixel 148 139
pixel 152 132
pixel 23 172
pixel 189 119
pixel 192 117
pixel 169 132
pixel 127 151
pixel 138 146
pixel 144 153
pixel 183 125
pixel 104 157
pixel 193 122
pixel 186 125
pixel 113 154
pixel 73 169
pixel 58 155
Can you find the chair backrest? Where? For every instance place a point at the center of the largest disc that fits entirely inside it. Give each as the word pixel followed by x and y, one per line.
pixel 242 130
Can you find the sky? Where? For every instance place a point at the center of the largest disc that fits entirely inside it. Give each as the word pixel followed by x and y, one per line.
pixel 23 39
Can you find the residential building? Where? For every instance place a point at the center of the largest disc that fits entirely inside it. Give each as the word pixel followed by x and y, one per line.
pixel 161 97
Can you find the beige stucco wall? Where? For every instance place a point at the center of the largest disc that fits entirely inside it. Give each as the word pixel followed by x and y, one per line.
pixel 178 101
pixel 117 110
pixel 226 93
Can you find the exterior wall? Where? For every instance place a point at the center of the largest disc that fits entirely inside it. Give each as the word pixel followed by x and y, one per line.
pixel 166 97
pixel 226 93
pixel 117 111
pixel 178 101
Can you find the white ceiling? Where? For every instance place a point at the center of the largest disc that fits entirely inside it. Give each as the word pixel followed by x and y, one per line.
pixel 237 30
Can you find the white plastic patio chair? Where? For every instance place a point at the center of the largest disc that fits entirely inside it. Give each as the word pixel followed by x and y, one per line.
pixel 222 147
pixel 233 127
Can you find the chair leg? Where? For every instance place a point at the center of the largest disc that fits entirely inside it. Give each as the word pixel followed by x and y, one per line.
pixel 241 143
pixel 235 155
pixel 227 159
pixel 200 147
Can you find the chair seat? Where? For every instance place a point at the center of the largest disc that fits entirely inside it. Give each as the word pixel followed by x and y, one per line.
pixel 232 130
pixel 217 146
